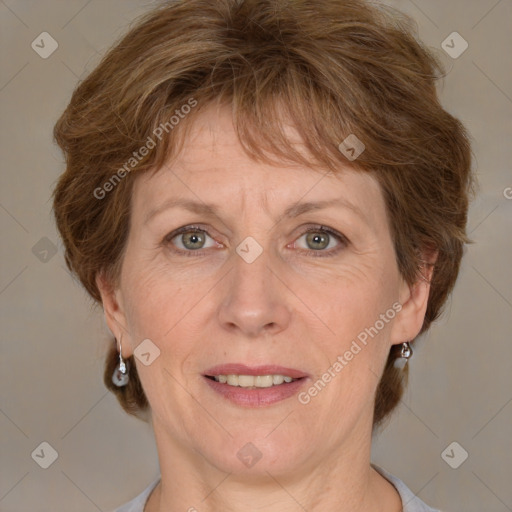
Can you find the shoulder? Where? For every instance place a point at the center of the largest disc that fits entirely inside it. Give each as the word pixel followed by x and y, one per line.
pixel 410 502
pixel 137 504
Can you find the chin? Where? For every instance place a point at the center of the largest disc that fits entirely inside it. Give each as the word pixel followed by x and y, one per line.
pixel 255 456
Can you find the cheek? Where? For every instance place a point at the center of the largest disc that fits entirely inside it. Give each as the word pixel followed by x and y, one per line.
pixel 156 309
pixel 154 304
pixel 355 301
pixel 358 310
pixel 352 359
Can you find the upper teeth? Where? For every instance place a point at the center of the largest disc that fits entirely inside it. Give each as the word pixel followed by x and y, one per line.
pixel 247 381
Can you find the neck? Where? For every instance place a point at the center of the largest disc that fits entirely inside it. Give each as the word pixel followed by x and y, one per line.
pixel 341 481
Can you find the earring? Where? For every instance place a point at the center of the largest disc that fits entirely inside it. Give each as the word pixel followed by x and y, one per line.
pixel 121 377
pixel 405 354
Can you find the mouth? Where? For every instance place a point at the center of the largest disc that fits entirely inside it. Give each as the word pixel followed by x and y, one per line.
pixel 254 386
pixel 252 381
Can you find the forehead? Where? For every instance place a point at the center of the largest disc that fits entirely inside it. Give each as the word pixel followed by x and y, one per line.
pixel 213 167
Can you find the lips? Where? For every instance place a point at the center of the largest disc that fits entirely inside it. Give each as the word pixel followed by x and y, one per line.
pixel 255 396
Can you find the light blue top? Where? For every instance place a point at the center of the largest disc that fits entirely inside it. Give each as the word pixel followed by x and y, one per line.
pixel 410 502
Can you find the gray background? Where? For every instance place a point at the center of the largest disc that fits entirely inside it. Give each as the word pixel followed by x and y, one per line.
pixel 53 340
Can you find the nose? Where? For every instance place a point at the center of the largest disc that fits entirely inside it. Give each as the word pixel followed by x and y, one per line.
pixel 255 300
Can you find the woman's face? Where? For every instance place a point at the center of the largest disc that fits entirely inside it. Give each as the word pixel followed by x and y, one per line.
pixel 246 290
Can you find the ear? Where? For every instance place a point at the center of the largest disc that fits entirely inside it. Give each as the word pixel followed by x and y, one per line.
pixel 414 300
pixel 113 309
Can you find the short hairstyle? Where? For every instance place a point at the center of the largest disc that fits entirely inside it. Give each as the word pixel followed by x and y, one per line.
pixel 331 68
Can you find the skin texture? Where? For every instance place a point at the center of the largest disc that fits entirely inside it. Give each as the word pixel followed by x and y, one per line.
pixel 290 307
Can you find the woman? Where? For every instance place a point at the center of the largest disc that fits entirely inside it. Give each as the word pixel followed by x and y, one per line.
pixel 270 204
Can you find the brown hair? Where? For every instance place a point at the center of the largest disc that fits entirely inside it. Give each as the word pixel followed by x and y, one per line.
pixel 330 67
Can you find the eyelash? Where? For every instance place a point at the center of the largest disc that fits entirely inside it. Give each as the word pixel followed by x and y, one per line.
pixel 315 229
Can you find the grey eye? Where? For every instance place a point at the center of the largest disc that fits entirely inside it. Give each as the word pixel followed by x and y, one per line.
pixel 192 240
pixel 318 240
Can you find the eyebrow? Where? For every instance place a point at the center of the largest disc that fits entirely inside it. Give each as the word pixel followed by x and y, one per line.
pixel 292 211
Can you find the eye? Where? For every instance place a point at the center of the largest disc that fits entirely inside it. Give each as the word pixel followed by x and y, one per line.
pixel 320 238
pixel 190 239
